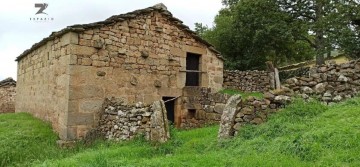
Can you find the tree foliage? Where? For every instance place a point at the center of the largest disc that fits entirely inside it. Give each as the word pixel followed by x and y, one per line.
pixel 250 32
pixel 327 21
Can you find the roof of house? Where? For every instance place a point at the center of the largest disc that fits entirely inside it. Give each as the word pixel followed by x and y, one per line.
pixel 161 8
pixel 8 81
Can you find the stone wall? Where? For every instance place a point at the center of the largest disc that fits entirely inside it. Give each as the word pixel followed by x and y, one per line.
pixel 43 82
pixel 329 83
pixel 299 72
pixel 239 111
pixel 247 81
pixel 7 95
pixel 201 107
pixel 120 121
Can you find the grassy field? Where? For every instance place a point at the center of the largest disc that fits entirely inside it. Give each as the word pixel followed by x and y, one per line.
pixel 303 134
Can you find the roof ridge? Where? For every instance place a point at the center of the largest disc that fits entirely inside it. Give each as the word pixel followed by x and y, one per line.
pixel 160 7
pixel 7 81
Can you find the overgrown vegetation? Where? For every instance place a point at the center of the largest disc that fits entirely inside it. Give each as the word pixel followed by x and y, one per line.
pixel 303 134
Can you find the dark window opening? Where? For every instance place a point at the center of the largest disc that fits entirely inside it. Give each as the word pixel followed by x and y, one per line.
pixel 191 113
pixel 170 108
pixel 192 69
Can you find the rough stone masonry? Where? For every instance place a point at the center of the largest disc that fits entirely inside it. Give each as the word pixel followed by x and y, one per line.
pixel 140 56
pixel 7 95
pixel 248 81
pixel 120 121
pixel 239 111
pixel 329 83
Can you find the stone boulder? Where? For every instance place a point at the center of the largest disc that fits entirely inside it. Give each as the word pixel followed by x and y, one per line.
pixel 228 117
pixel 320 88
pixel 283 91
pixel 219 108
pixel 304 96
pixel 269 96
pixel 159 123
pixel 337 98
pixel 282 99
pixel 306 90
pixel 342 78
pixel 292 81
pixel 327 97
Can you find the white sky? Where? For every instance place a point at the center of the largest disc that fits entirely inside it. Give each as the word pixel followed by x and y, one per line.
pixel 18 33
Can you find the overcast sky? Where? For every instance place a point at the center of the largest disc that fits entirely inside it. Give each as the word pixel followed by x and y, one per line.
pixel 18 32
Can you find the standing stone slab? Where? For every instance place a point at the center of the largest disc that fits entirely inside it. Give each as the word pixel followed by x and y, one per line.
pixel 228 117
pixel 159 122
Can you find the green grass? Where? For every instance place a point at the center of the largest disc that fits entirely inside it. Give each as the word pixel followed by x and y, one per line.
pixel 243 94
pixel 24 139
pixel 303 134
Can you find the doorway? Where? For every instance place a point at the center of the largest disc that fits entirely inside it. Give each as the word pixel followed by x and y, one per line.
pixel 170 108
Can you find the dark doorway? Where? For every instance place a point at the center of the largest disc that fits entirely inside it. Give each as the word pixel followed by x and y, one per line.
pixel 170 108
pixel 192 69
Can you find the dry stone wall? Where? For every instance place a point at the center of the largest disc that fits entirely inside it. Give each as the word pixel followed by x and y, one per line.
pixel 7 95
pixel 329 83
pixel 120 121
pixel 299 72
pixel 239 111
pixel 201 107
pixel 247 81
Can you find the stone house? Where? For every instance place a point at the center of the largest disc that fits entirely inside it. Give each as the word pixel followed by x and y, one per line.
pixel 141 56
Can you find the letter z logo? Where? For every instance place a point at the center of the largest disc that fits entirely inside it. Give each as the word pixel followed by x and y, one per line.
pixel 42 7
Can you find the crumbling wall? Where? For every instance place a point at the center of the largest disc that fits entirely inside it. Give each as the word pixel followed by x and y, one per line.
pixel 299 72
pixel 7 95
pixel 239 111
pixel 120 121
pixel 329 83
pixel 201 107
pixel 247 81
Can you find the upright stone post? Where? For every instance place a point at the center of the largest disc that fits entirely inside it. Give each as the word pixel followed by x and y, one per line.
pixel 272 74
pixel 159 123
pixel 228 117
pixel 272 79
pixel 277 79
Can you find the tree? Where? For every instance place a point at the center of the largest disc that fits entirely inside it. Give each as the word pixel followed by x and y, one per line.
pixel 200 29
pixel 248 38
pixel 229 2
pixel 249 32
pixel 328 22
